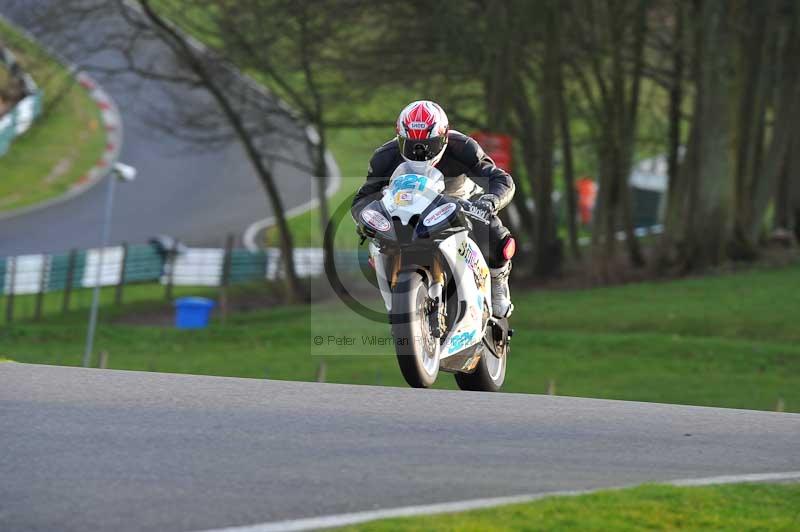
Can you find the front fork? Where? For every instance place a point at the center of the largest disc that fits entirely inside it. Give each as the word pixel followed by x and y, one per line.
pixel 437 310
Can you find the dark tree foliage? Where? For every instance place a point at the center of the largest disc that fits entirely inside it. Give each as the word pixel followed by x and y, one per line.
pixel 583 86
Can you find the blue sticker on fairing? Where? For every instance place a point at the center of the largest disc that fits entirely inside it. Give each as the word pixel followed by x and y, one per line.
pixel 409 182
pixel 460 341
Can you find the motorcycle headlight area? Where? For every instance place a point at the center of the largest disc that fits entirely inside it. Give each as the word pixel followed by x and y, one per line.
pixel 375 220
pixel 440 214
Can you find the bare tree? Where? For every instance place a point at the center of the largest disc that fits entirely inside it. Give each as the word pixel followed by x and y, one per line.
pixel 295 59
pixel 218 78
pixel 218 48
pixel 700 225
pixel 548 254
pixel 774 65
pixel 606 60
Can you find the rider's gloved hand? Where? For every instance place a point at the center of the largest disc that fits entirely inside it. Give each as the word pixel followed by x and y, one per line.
pixel 364 231
pixel 488 203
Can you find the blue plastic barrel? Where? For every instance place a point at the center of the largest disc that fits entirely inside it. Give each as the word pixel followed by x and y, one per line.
pixel 193 312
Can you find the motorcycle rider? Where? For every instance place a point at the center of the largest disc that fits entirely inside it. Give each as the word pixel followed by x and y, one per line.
pixel 424 139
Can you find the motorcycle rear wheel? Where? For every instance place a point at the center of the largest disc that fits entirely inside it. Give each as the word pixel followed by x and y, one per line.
pixel 417 350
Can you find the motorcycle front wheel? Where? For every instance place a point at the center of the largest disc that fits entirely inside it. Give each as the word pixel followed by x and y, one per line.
pixel 417 350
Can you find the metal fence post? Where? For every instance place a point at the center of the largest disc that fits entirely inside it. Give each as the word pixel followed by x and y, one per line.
pixel 170 275
pixel 121 283
pixel 37 312
pixel 73 254
pixel 90 330
pixel 12 276
pixel 226 277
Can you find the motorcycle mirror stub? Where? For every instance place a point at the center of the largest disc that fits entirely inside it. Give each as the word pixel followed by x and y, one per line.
pixel 439 214
pixel 375 220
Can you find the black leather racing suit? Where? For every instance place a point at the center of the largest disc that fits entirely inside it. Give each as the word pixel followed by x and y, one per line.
pixel 468 173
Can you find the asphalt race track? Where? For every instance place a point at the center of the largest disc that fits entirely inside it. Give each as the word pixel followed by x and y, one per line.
pixel 87 449
pixel 187 189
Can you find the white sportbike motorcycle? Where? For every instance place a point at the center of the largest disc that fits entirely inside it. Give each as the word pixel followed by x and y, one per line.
pixel 435 283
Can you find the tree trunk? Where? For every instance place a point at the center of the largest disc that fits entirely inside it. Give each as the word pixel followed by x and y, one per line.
pixel 616 134
pixel 629 132
pixel 183 49
pixel 526 132
pixel 675 101
pixel 791 200
pixel 681 172
pixel 569 173
pixel 503 55
pixel 786 118
pixel 548 250
pixel 755 50
pixel 321 172
pixel 709 204
pixel 783 195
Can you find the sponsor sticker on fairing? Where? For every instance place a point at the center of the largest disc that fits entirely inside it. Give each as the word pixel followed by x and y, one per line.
pixel 472 258
pixel 375 219
pixel 470 255
pixel 439 214
pixel 461 340
pixel 404 198
pixel 409 182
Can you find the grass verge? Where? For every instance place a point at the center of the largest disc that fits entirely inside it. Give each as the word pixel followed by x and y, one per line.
pixel 65 142
pixel 653 507
pixel 728 341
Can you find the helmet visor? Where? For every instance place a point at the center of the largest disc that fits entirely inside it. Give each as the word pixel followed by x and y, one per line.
pixel 421 149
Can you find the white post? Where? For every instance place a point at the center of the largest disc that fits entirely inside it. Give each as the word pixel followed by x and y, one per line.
pixel 87 354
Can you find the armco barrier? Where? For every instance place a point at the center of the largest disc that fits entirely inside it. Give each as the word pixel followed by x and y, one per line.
pixel 40 273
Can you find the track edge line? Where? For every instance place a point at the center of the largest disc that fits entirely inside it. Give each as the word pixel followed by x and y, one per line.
pixel 337 520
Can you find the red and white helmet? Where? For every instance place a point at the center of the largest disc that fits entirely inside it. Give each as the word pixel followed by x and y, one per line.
pixel 422 132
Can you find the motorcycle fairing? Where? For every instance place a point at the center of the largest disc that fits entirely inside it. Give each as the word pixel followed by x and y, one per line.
pixel 473 290
pixel 409 199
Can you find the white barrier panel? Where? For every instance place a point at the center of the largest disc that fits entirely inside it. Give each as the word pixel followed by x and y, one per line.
pixel 5 121
pixel 198 267
pixel 112 267
pixel 29 273
pixel 273 264
pixel 26 113
pixel 308 262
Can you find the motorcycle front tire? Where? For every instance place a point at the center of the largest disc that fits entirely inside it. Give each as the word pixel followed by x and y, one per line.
pixel 417 350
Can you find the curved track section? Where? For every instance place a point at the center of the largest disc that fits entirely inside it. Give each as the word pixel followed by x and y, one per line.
pixel 91 449
pixel 193 190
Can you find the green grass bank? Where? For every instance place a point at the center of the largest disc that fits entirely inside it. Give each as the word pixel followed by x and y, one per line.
pixel 727 341
pixel 66 141
pixel 731 507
